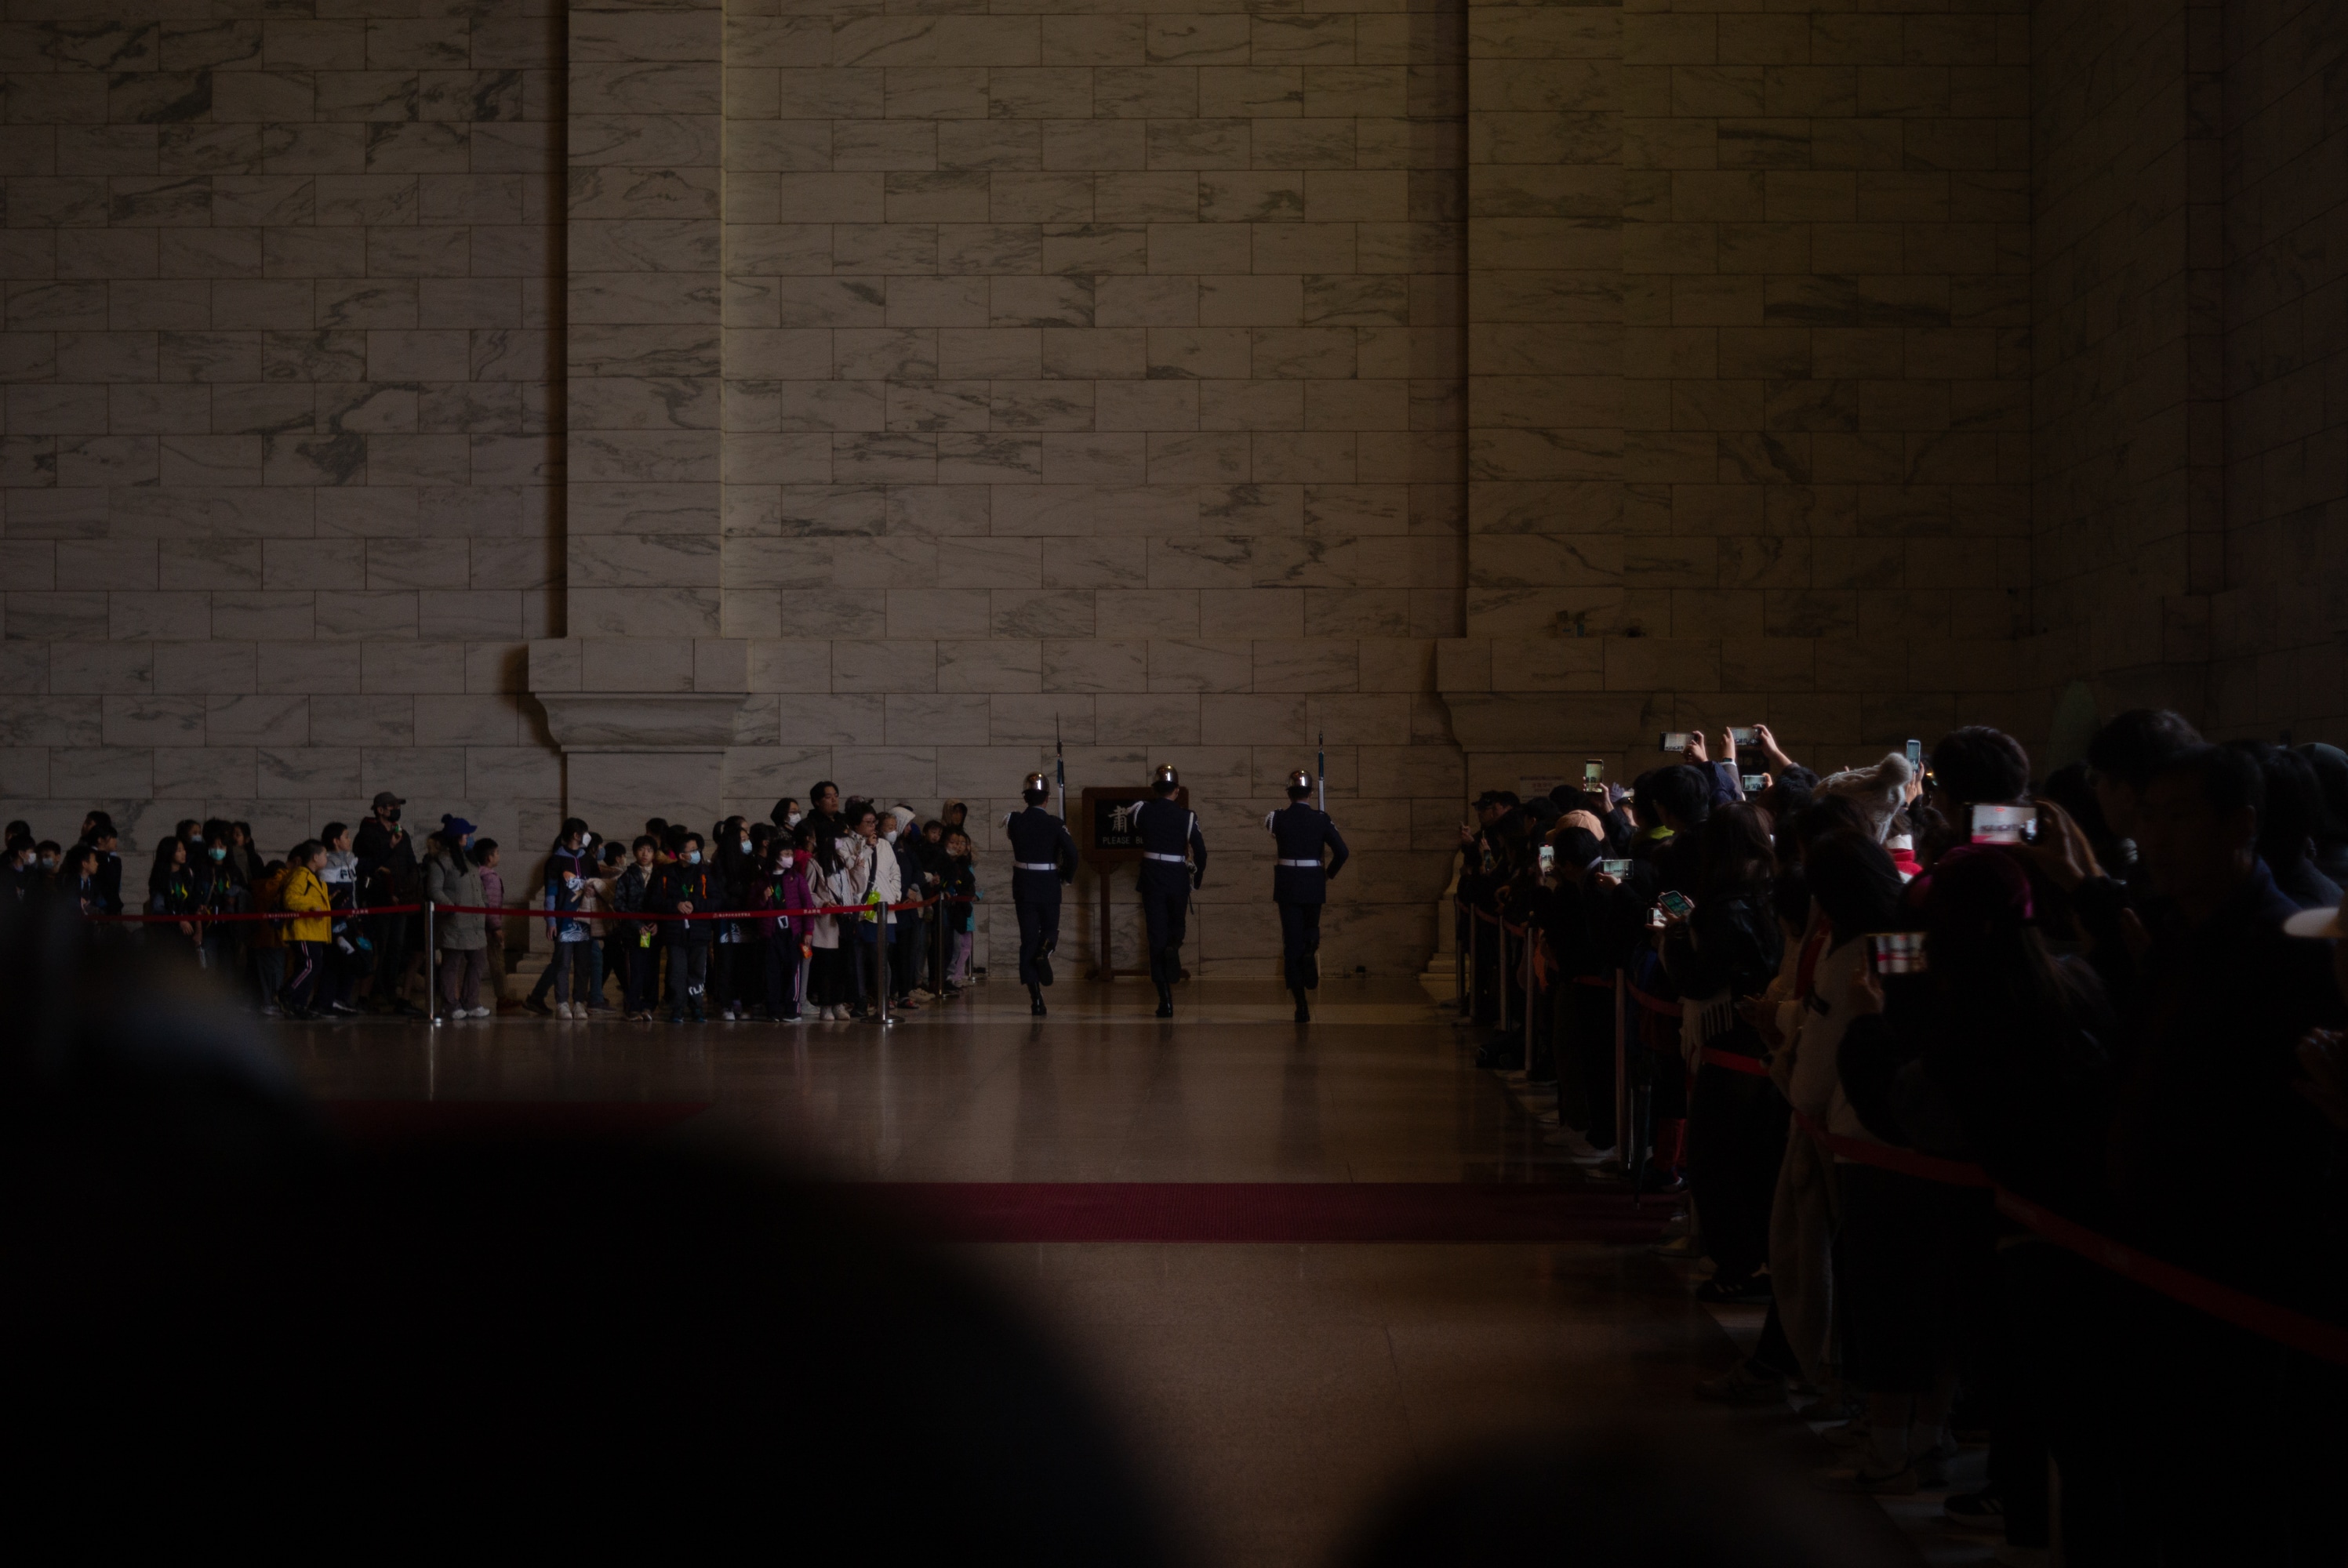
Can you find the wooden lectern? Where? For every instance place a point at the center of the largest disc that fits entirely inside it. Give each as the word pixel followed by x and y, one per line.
pixel 1104 838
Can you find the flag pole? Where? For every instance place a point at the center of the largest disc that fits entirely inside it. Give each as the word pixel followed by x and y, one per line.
pixel 1320 769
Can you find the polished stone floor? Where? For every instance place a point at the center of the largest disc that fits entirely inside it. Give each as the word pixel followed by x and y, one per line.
pixel 1279 1390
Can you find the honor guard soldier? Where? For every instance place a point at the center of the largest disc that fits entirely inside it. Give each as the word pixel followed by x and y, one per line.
pixel 1043 856
pixel 1167 832
pixel 1300 885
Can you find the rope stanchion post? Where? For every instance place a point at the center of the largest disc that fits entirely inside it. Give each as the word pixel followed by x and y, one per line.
pixel 1529 938
pixel 938 920
pixel 1461 942
pixel 431 967
pixel 1621 1072
pixel 881 976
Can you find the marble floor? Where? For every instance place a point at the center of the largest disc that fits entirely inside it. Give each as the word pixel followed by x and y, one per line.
pixel 1279 1390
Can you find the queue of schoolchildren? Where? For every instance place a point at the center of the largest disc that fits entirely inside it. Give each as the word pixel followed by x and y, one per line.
pixel 657 916
pixel 2116 992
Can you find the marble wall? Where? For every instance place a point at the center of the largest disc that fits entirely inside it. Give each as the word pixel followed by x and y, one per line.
pixel 624 407
pixel 277 464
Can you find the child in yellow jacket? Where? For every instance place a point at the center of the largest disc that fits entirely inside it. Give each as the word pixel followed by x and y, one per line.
pixel 302 891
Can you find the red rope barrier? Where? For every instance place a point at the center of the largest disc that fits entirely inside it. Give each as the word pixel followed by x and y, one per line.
pixel 1735 1062
pixel 527 909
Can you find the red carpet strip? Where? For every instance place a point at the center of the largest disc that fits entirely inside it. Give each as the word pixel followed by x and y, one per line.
pixel 393 1121
pixel 1264 1212
pixel 1080 1211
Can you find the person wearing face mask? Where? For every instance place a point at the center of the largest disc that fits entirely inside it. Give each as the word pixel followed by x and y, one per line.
pixel 785 886
pixel 733 961
pixel 567 851
pixel 17 868
pixel 569 935
pixel 785 816
pixel 218 890
pixel 686 886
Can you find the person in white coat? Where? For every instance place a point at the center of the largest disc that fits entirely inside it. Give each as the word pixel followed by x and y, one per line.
pixel 867 876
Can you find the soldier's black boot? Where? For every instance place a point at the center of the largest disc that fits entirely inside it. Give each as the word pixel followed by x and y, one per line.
pixel 1165 999
pixel 1303 1013
pixel 1035 998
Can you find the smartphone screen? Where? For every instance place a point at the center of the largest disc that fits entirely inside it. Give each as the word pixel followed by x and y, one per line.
pixel 1743 737
pixel 1673 741
pixel 1915 754
pixel 2002 824
pixel 1592 772
pixel 1675 905
pixel 1896 952
pixel 1756 783
pixel 1618 869
pixel 1548 858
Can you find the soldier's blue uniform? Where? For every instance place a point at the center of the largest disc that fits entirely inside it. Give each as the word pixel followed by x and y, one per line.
pixel 1300 885
pixel 1043 857
pixel 1174 861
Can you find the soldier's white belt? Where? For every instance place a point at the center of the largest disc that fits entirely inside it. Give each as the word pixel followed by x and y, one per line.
pixel 1034 866
pixel 1152 854
pixel 1313 864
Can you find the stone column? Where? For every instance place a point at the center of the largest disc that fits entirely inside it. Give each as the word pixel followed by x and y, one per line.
pixel 641 694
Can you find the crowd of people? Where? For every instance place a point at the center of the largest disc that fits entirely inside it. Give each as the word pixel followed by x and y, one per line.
pixel 1844 998
pixel 730 924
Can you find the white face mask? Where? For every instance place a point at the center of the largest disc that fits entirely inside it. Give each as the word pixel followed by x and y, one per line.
pixel 890 836
pixel 746 847
pixel 792 819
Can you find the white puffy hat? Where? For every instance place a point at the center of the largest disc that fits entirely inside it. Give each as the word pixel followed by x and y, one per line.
pixel 1879 792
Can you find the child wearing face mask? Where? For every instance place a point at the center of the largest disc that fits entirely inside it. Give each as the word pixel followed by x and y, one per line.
pixel 564 886
pixel 786 888
pixel 687 887
pixel 219 891
pixel 734 964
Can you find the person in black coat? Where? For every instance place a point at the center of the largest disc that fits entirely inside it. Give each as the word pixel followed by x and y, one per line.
pixel 1167 833
pixel 687 886
pixel 1300 885
pixel 1043 857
